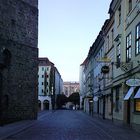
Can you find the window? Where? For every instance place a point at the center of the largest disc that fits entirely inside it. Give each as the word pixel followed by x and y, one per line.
pixel 42 91
pixel 117 99
pixel 42 76
pixel 136 101
pixel 107 43
pixel 137 39
pixel 42 68
pixel 128 47
pixel 118 54
pixel 101 52
pixel 119 13
pixel 112 34
pixel 137 105
pixel 42 83
pixel 129 5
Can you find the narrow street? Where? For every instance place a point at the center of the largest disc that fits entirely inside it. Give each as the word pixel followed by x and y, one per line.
pixel 73 125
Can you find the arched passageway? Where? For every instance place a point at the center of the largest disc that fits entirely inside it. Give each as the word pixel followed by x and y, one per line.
pixel 46 105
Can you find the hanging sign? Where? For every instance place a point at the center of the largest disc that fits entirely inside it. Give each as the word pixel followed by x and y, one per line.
pixel 105 69
pixel 133 82
pixel 95 98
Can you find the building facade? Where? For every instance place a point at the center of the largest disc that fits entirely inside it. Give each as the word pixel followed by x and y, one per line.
pixel 18 60
pixel 126 35
pixel 50 84
pixel 45 84
pixel 70 87
pixel 81 84
pixel 58 87
pixel 116 66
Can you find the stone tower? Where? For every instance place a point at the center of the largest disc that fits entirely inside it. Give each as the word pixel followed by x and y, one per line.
pixel 18 60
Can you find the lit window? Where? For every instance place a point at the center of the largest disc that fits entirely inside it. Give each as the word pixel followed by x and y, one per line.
pixel 137 105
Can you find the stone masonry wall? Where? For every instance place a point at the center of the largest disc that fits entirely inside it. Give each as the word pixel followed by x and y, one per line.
pixel 19 35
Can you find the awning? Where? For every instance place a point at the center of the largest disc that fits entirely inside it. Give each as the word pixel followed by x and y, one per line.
pixel 137 94
pixel 129 93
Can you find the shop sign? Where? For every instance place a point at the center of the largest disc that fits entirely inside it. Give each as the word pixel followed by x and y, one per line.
pixel 105 69
pixel 133 82
pixel 95 98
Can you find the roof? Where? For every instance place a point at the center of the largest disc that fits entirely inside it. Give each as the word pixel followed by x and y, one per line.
pixel 44 61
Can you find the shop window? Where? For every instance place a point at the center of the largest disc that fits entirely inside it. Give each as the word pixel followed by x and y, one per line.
pixel 137 105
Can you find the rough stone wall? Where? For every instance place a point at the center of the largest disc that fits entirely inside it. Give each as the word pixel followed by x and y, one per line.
pixel 19 35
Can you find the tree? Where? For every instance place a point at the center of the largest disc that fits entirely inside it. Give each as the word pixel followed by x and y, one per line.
pixel 61 100
pixel 75 98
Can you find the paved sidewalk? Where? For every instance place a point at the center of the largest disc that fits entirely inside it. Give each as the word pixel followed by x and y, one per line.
pixel 16 127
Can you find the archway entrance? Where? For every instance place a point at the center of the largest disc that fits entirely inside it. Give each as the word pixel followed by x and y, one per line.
pixel 46 105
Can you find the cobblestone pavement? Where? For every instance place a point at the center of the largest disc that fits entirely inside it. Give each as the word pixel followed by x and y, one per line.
pixel 74 125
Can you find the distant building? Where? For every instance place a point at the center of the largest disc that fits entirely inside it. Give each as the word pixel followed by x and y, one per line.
pixel 50 84
pixel 45 83
pixel 58 86
pixel 18 60
pixel 82 84
pixel 70 87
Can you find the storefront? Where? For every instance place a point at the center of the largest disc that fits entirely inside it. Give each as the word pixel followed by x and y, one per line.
pixel 132 104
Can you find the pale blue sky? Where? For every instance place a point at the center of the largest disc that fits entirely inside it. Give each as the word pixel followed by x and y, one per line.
pixel 67 29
